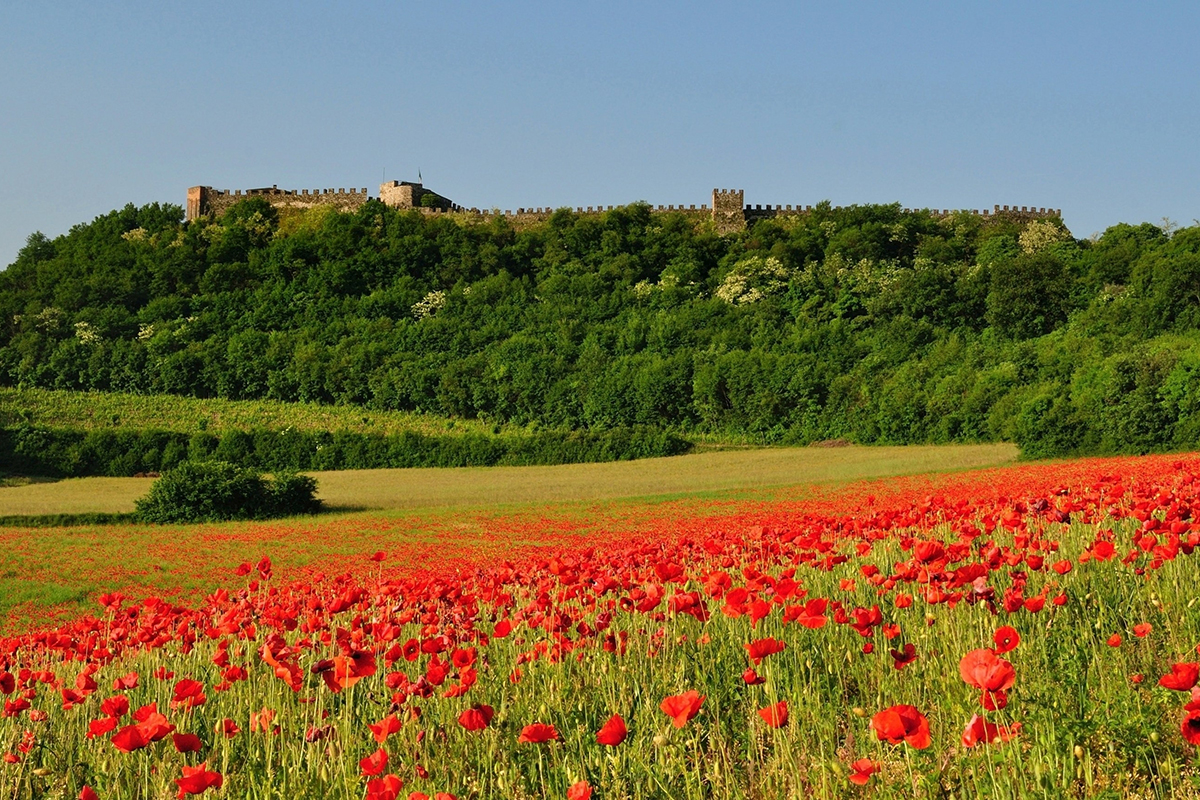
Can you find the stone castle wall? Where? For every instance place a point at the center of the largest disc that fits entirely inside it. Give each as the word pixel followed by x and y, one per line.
pixel 205 200
pixel 728 212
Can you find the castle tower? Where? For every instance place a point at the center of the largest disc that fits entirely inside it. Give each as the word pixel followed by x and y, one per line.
pixel 729 210
pixel 197 202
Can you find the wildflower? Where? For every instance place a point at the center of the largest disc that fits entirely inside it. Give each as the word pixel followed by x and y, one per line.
pixel 613 732
pixel 682 707
pixel 902 723
pixel 537 733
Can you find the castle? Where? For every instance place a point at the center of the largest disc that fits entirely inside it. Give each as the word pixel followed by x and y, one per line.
pixel 728 211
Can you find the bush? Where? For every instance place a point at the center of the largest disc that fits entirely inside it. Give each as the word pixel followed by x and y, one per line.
pixel 211 491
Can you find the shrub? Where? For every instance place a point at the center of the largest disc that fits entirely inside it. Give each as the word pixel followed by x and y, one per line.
pixel 210 491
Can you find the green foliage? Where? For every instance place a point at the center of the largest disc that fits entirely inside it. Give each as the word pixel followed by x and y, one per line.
pixel 868 323
pixel 36 450
pixel 212 491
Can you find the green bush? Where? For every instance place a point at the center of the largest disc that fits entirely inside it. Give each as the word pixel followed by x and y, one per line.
pixel 212 491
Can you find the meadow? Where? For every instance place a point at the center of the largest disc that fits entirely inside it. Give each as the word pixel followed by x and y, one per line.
pixel 54 408
pixel 1016 631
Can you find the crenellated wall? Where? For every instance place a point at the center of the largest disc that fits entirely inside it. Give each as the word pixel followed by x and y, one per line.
pixel 729 212
pixel 205 200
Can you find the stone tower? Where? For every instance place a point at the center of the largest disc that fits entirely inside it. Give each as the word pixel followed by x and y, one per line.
pixel 729 210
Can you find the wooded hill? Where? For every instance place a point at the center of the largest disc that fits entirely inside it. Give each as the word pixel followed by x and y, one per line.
pixel 866 323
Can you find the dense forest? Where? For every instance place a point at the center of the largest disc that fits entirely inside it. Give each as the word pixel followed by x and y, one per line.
pixel 865 323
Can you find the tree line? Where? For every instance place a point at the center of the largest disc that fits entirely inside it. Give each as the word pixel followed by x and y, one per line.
pixel 866 323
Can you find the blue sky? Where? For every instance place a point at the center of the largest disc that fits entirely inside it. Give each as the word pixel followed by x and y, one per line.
pixel 1090 107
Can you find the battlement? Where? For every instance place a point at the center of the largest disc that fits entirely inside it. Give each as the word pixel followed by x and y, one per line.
pixel 205 200
pixel 729 211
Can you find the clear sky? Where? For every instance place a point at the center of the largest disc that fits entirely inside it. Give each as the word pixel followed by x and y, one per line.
pixel 1092 107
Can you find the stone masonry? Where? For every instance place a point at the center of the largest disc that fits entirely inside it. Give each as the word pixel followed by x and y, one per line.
pixel 728 213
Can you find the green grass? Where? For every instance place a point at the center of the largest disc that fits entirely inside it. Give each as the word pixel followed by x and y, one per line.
pixel 731 471
pixel 99 410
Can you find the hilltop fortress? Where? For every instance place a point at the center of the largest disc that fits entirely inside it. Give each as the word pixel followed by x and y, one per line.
pixel 728 210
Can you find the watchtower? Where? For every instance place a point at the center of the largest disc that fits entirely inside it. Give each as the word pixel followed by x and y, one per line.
pixel 729 210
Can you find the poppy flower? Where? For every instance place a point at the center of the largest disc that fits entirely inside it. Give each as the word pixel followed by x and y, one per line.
pixel 761 648
pixel 1190 728
pixel 8 683
pixel 228 727
pixel 386 788
pixel 580 791
pixel 375 763
pixel 261 720
pixel 776 716
pixel 902 723
pixel 186 742
pixel 101 727
pixel 1006 638
pixel 197 780
pixel 188 694
pixel 378 556
pixel 752 678
pixel 87 793
pixel 863 768
pixel 1142 629
pixel 384 728
pixel 537 733
pixel 503 628
pixel 979 731
pixel 1182 678
pixel 116 706
pixel 1114 640
pixel 984 670
pixel 613 732
pixel 682 707
pixel 477 717
pixel 902 658
pixel 129 739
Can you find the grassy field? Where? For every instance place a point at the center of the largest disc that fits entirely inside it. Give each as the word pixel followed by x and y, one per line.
pixel 96 410
pixel 729 471
pixel 976 634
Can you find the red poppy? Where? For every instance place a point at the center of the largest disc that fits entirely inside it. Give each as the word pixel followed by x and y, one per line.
pixel 537 733
pixel 1182 678
pixel 761 648
pixel 1114 640
pixel 503 628
pixel 613 732
pixel 682 707
pixel 1191 727
pixel 580 791
pixel 87 793
pixel 863 768
pixel 188 694
pixel 902 723
pixel 776 716
pixel 984 670
pixel 902 658
pixel 386 788
pixel 811 615
pixel 752 678
pixel 385 728
pixel 1006 638
pixel 129 739
pixel 197 780
pixel 378 556
pixel 186 742
pixel 228 727
pixel 375 763
pixel 477 717
pixel 1142 629
pixel 116 706
pixel 979 731
pixel 101 727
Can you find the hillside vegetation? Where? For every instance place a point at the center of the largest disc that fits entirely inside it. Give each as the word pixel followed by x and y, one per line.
pixel 867 323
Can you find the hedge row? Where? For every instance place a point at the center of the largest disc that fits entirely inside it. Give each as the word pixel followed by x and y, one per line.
pixel 32 450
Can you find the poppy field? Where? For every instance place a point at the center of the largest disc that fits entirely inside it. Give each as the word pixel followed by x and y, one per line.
pixel 1028 631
